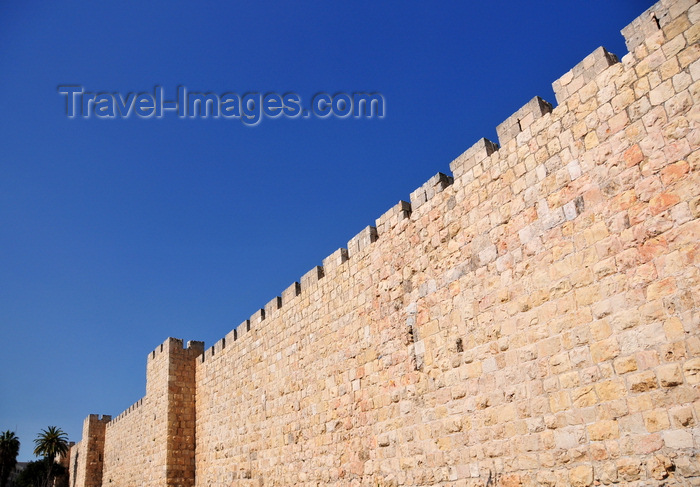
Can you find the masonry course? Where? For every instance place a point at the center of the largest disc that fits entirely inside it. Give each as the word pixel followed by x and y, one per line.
pixel 531 319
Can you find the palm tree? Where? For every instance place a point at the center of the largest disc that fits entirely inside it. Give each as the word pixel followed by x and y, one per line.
pixel 9 449
pixel 50 443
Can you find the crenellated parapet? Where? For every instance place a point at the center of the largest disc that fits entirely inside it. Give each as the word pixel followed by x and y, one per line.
pixel 87 456
pixel 529 319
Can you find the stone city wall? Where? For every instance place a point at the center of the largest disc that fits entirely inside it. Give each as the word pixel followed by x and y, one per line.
pixel 152 442
pixel 530 320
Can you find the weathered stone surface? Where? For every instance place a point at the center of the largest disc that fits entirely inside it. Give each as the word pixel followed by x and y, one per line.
pixel 581 476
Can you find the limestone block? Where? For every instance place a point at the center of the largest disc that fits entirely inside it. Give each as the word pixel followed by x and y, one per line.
pixel 522 119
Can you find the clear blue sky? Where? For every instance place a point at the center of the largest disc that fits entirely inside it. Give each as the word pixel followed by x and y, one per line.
pixel 115 234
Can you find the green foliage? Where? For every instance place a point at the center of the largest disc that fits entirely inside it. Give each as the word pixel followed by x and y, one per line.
pixel 36 473
pixel 51 442
pixel 9 449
